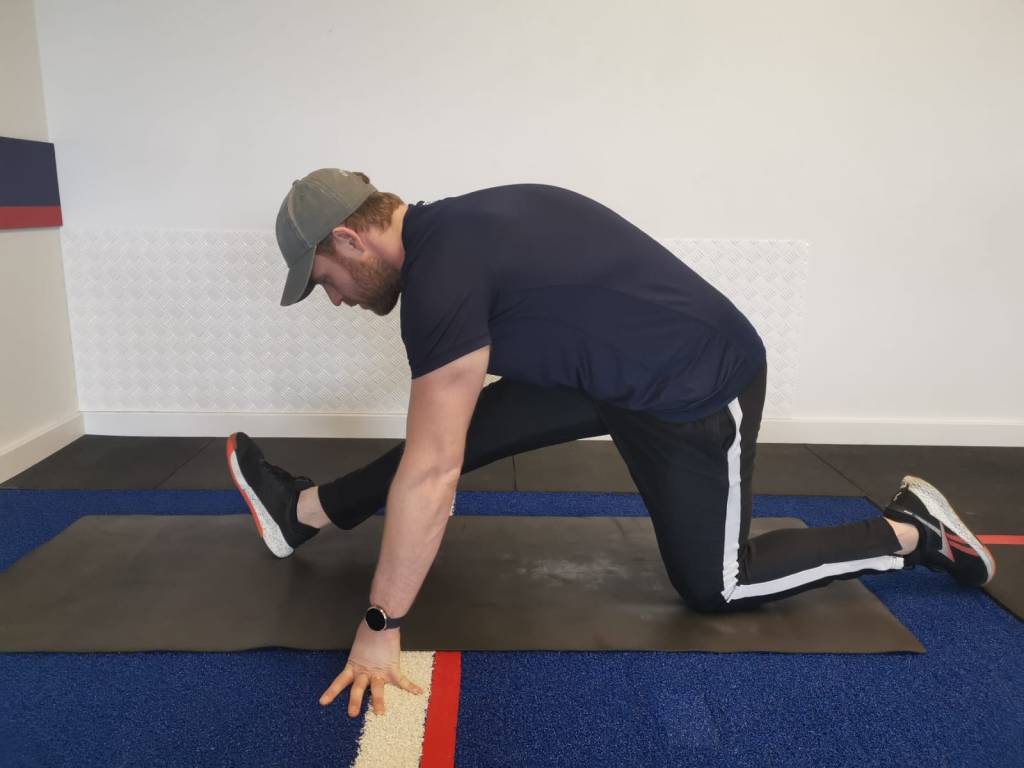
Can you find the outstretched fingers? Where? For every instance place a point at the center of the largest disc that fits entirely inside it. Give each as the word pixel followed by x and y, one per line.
pixel 359 679
pixel 406 684
pixel 377 690
pixel 355 696
pixel 337 686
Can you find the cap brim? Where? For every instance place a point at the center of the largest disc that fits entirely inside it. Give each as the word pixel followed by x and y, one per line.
pixel 297 285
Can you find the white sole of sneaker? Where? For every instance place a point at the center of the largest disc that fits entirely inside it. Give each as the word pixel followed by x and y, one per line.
pixel 268 530
pixel 942 510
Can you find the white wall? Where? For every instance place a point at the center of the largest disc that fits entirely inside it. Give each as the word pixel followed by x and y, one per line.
pixel 887 135
pixel 38 403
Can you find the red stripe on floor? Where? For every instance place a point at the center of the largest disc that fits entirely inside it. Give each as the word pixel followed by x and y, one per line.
pixel 443 711
pixel 1001 539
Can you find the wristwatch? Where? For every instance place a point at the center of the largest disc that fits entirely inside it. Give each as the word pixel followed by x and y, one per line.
pixel 378 620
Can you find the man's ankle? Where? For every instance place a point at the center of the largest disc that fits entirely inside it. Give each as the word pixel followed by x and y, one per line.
pixel 907 535
pixel 310 512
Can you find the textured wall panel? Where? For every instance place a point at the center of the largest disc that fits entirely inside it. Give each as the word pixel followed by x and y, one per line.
pixel 765 279
pixel 189 320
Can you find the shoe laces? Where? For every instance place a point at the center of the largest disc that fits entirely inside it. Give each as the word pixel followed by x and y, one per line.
pixel 284 474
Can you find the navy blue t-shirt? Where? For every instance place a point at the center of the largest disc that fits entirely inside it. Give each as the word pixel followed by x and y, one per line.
pixel 567 292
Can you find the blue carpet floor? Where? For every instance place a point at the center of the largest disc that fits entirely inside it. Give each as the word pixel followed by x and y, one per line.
pixel 960 703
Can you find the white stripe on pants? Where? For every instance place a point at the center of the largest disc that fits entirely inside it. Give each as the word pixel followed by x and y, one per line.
pixel 732 589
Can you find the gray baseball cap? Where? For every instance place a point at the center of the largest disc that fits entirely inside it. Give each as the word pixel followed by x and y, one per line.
pixel 315 205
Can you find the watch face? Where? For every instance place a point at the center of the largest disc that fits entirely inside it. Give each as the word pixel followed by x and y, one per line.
pixel 375 618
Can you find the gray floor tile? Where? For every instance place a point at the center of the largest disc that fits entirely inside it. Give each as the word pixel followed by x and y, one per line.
pixel 322 459
pixel 983 484
pixel 782 469
pixel 593 465
pixel 96 462
pixel 580 465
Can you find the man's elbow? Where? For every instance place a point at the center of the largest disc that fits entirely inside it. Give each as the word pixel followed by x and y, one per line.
pixel 436 472
pixel 448 474
pixel 434 486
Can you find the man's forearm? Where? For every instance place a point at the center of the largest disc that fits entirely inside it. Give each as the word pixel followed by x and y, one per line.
pixel 415 517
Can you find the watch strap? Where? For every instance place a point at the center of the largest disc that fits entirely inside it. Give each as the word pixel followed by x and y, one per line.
pixel 390 622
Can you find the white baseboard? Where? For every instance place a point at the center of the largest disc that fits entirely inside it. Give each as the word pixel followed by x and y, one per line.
pixel 17 457
pixel 802 430
pixel 180 424
pixel 962 432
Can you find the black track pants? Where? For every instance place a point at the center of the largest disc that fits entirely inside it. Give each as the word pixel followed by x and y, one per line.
pixel 695 480
pixel 510 417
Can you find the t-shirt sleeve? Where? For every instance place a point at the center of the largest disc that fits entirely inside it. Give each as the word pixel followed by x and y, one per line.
pixel 446 307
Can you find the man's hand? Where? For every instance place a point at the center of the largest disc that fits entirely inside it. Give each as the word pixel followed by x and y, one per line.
pixel 373 661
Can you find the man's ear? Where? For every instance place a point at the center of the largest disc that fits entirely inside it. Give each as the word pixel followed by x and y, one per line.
pixel 347 243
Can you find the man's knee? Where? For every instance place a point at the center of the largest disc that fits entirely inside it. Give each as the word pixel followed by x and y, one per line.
pixel 706 602
pixel 705 598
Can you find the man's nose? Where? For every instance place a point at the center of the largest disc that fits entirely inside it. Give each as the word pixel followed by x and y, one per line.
pixel 334 296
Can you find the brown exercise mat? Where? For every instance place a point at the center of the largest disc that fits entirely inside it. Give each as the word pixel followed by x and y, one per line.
pixel 1007 585
pixel 207 583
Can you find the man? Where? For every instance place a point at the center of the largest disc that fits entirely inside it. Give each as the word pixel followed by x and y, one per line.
pixel 596 329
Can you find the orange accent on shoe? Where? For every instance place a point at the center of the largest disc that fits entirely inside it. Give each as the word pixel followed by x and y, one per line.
pixel 245 496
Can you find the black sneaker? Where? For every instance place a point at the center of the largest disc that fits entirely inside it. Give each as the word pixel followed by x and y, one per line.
pixel 945 543
pixel 271 493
